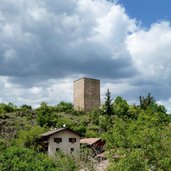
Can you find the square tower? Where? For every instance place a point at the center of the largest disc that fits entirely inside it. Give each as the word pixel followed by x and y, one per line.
pixel 86 94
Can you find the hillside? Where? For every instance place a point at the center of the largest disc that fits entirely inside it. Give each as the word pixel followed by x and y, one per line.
pixel 139 135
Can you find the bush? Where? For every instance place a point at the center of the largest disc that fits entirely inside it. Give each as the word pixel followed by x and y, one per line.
pixel 24 159
pixel 81 130
pixel 45 115
pixel 64 162
pixel 30 138
pixel 18 158
pixel 133 162
pixel 64 107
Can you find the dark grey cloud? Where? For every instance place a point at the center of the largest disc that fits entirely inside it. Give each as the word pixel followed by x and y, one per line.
pixel 54 39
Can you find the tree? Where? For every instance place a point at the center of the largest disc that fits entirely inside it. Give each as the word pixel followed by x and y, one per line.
pixel 133 161
pixel 138 144
pixel 64 162
pixel 120 107
pixel 30 138
pixel 108 103
pixel 7 108
pixel 19 158
pixel 25 107
pixel 64 107
pixel 149 105
pixel 104 122
pixel 146 102
pixel 45 116
pixel 133 111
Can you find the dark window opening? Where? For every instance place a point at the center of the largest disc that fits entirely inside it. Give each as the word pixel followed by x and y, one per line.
pixel 72 150
pixel 72 140
pixel 57 140
pixel 57 149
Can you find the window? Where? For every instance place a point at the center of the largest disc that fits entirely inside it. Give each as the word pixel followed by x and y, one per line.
pixel 57 140
pixel 72 150
pixel 72 140
pixel 57 149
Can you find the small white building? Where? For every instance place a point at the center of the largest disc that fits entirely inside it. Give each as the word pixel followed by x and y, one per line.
pixel 64 139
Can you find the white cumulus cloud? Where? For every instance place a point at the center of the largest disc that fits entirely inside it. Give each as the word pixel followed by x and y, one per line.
pixel 47 44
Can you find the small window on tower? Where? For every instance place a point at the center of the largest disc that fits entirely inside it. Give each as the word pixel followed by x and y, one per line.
pixel 72 140
pixel 72 150
pixel 57 140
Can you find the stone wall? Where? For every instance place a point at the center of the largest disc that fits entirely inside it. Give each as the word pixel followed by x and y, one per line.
pixel 79 94
pixel 87 94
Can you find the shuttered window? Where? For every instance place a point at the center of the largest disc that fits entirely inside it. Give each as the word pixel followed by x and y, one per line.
pixel 57 140
pixel 72 140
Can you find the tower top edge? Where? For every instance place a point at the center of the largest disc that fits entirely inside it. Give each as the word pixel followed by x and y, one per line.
pixel 86 78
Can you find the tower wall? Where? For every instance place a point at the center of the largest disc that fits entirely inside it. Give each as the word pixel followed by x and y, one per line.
pixel 79 94
pixel 87 94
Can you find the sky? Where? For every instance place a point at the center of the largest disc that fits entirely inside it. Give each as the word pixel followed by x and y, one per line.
pixel 45 45
pixel 148 11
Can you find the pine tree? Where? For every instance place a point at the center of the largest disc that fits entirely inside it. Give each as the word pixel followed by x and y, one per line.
pixel 108 105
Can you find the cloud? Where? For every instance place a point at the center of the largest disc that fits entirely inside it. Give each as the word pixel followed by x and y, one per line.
pixel 52 91
pixel 48 39
pixel 45 45
pixel 151 49
pixel 150 52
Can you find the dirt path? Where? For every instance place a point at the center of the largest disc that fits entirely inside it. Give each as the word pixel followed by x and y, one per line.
pixel 102 166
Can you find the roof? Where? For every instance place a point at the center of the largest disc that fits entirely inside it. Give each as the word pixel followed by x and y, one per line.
pixel 89 141
pixel 49 133
pixel 86 78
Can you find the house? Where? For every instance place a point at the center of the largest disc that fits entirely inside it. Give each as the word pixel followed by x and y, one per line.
pixel 64 139
pixel 96 144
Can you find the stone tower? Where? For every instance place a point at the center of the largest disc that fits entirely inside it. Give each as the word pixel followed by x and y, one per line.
pixel 86 94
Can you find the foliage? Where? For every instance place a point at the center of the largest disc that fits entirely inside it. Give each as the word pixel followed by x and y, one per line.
pixel 108 105
pixel 30 138
pixel 105 122
pixel 64 107
pixel 64 162
pixel 149 102
pixel 6 108
pixel 18 158
pixel 94 115
pixel 138 137
pixel 12 122
pixel 2 144
pixel 138 143
pixel 134 161
pixel 146 102
pixel 25 107
pixel 91 133
pixel 117 136
pixel 138 159
pixel 120 107
pixel 133 112
pixel 87 160
pixel 45 115
pixel 81 129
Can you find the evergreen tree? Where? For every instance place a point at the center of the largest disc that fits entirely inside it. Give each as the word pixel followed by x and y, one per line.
pixel 108 104
pixel 146 102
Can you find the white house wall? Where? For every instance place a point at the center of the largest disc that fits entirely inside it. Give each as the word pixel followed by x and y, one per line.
pixel 65 146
